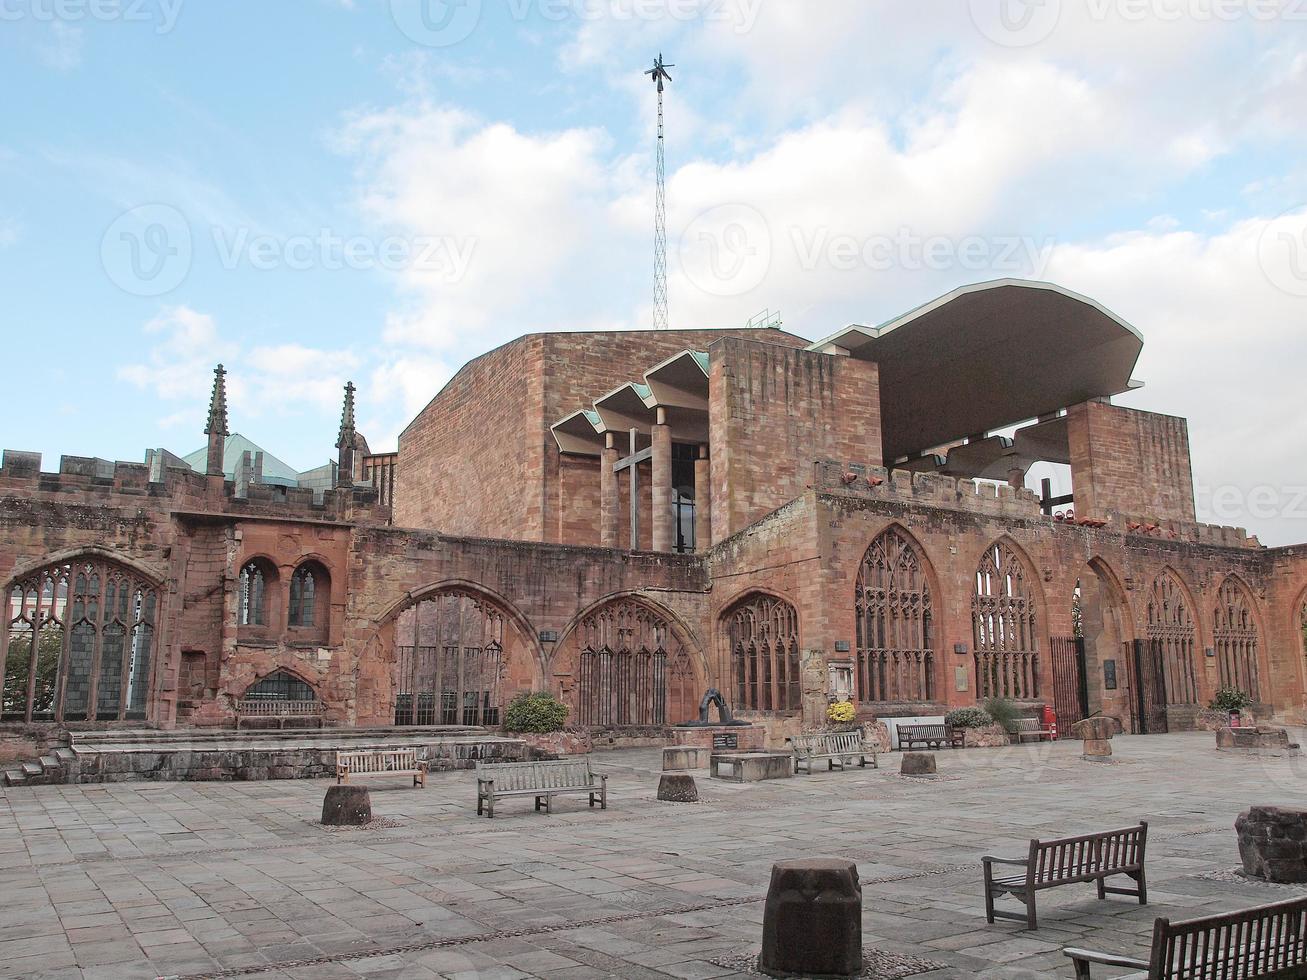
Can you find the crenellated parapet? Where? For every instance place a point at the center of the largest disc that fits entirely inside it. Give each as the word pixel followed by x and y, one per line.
pixel 166 484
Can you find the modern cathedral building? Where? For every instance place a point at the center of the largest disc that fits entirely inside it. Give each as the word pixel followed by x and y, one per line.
pixel 627 519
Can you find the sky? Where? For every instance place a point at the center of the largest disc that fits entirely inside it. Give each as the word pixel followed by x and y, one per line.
pixel 315 191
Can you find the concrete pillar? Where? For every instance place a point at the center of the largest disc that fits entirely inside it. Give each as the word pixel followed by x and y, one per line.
pixel 1016 477
pixel 609 496
pixel 664 530
pixel 702 501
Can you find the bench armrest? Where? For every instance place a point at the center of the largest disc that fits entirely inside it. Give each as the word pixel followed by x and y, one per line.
pixel 1086 956
pixel 490 783
pixel 1020 863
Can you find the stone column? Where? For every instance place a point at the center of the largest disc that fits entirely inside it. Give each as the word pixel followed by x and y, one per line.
pixel 610 502
pixel 664 530
pixel 702 501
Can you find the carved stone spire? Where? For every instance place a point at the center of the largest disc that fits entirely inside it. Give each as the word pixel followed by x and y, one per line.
pixel 345 441
pixel 216 430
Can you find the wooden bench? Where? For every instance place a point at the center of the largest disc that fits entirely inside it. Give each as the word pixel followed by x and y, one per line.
pixel 931 736
pixel 1024 728
pixel 835 748
pixel 1066 861
pixel 542 780
pixel 1266 942
pixel 381 762
pixel 279 709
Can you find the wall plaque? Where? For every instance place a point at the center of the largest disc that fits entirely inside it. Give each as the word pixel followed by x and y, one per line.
pixel 1109 674
pixel 549 636
pixel 726 741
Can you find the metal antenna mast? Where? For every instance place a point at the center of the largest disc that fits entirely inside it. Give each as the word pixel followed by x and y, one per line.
pixel 660 76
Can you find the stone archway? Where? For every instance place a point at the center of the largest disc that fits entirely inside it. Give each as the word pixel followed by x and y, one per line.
pixel 1102 621
pixel 457 657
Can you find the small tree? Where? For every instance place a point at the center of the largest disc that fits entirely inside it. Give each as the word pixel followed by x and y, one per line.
pixel 1003 711
pixel 536 712
pixel 1231 699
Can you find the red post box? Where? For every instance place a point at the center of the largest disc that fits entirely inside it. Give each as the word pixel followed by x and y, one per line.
pixel 1050 721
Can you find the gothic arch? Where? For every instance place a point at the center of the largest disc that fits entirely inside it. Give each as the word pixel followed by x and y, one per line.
pixel 456 653
pixel 1236 636
pixel 80 638
pixel 149 573
pixel 628 661
pixel 1171 624
pixel 896 602
pixel 760 632
pixel 1006 613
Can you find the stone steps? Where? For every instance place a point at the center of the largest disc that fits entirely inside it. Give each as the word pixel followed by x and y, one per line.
pixel 161 738
pixel 47 770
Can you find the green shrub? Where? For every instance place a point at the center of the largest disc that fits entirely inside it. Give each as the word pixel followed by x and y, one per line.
pixel 1003 711
pixel 1231 699
pixel 968 718
pixel 536 712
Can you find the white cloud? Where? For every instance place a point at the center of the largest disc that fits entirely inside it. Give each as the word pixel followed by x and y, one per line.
pixel 61 49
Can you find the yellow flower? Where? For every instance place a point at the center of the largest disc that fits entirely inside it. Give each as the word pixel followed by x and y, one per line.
pixel 841 712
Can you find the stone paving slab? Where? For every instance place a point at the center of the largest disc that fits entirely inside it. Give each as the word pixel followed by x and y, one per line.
pixel 237 879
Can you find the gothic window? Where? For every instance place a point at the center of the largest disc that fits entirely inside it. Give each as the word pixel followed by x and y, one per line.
pixel 280 686
pixel 763 634
pixel 1235 636
pixel 1173 638
pixel 310 593
pixel 631 670
pixel 894 623
pixel 79 642
pixel 449 661
pixel 256 581
pixel 1003 627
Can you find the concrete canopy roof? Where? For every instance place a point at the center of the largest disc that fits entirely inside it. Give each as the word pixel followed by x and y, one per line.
pixel 681 381
pixel 987 356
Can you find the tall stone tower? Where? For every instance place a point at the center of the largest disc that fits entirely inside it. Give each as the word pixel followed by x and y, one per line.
pixel 346 440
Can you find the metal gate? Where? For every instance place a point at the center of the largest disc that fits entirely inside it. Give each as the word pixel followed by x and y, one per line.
pixel 1070 687
pixel 1148 679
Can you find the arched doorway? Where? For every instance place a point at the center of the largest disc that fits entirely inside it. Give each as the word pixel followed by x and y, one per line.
pixel 1101 622
pixel 79 643
pixel 458 658
pixel 1004 627
pixel 626 663
pixel 1173 639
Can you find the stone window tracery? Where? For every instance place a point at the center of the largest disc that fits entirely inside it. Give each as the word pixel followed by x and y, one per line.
pixel 280 685
pixel 631 670
pixel 1003 627
pixel 1173 637
pixel 449 661
pixel 1235 636
pixel 254 592
pixel 895 638
pixel 79 643
pixel 762 632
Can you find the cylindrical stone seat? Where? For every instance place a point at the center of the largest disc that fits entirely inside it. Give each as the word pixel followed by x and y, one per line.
pixel 917 764
pixel 677 787
pixel 812 925
pixel 346 806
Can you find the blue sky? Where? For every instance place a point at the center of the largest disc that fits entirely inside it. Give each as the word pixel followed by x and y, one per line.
pixel 318 190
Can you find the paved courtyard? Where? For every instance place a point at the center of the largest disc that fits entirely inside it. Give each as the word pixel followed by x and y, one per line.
pixel 238 879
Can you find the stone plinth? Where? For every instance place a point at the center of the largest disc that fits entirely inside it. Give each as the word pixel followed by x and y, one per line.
pixel 812 924
pixel 751 767
pixel 1096 733
pixel 1273 843
pixel 918 764
pixel 680 757
pixel 346 806
pixel 1256 741
pixel 677 787
pixel 748 738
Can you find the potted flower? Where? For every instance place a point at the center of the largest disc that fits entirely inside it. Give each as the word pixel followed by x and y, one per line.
pixel 841 714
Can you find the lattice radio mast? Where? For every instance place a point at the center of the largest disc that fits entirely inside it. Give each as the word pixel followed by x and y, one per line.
pixel 660 76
